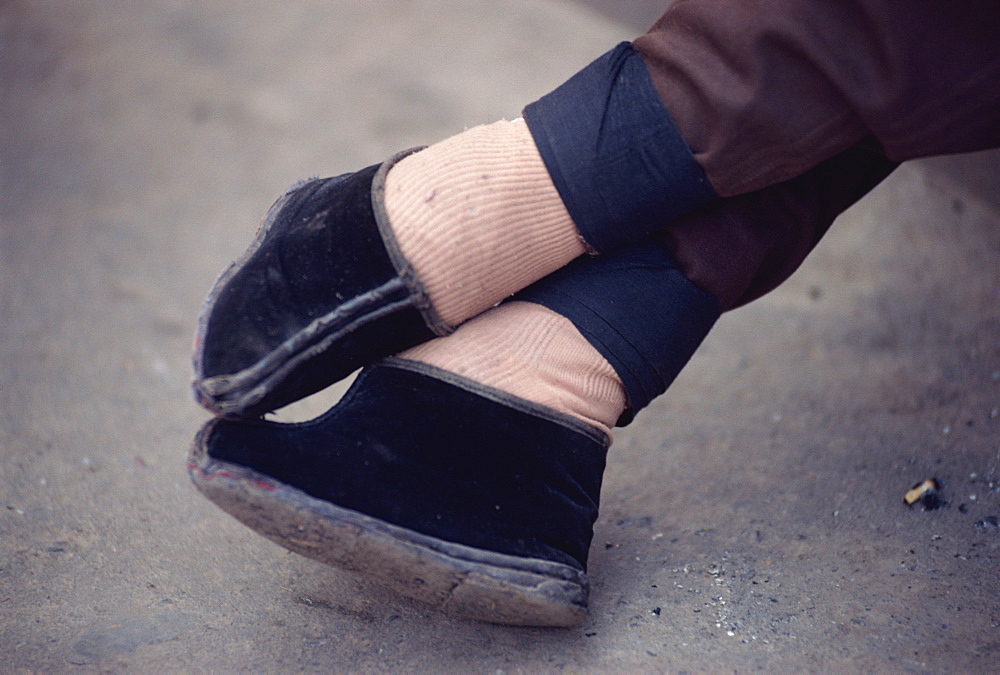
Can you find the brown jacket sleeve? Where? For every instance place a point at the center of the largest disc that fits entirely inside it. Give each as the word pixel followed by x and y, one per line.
pixel 763 90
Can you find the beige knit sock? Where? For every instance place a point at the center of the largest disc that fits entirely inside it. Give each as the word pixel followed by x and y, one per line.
pixel 478 218
pixel 531 352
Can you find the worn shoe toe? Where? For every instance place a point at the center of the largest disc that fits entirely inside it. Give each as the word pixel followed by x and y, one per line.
pixel 321 292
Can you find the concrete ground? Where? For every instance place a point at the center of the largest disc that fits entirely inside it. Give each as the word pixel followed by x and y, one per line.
pixel 752 518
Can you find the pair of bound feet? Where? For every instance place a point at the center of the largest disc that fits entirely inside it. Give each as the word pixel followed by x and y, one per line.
pixel 463 467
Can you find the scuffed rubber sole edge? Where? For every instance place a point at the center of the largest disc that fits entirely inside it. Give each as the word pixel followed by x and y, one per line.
pixel 459 580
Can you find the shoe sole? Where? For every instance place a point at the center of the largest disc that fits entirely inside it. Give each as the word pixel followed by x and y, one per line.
pixel 459 580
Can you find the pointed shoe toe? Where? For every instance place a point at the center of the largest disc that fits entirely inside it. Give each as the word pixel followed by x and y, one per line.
pixel 321 292
pixel 448 492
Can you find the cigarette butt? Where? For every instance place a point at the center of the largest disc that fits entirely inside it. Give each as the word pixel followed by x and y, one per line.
pixel 919 490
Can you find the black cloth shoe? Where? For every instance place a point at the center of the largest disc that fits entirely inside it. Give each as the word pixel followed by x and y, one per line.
pixel 450 492
pixel 321 292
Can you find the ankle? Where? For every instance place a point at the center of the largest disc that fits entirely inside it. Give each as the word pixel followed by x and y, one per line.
pixel 478 218
pixel 533 353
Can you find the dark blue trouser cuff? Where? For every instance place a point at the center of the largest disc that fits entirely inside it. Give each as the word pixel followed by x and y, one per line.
pixel 617 159
pixel 638 311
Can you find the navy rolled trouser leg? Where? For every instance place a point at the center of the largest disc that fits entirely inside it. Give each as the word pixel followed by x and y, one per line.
pixel 621 166
pixel 637 309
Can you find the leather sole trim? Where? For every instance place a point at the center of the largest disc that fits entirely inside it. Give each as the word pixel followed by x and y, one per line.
pixel 499 396
pixel 421 301
pixel 459 580
pixel 237 394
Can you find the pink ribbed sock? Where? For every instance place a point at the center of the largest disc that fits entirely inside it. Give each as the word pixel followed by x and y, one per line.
pixel 531 352
pixel 478 218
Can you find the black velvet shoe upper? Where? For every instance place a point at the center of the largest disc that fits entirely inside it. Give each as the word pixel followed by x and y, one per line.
pixel 420 448
pixel 320 293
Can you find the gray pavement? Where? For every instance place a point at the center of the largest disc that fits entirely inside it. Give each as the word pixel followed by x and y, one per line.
pixel 752 518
